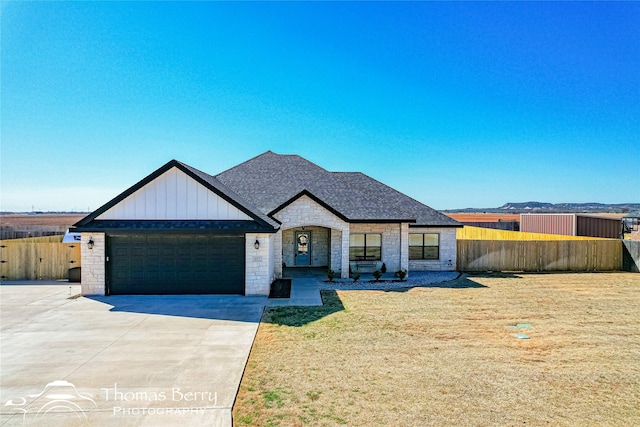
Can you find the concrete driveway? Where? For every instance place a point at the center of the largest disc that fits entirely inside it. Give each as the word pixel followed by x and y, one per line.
pixel 121 360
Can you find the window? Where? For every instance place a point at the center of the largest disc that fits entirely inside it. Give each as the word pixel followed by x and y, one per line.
pixel 365 247
pixel 424 246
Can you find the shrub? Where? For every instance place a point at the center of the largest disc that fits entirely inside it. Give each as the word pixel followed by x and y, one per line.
pixel 383 268
pixel 377 274
pixel 331 275
pixel 402 273
pixel 355 276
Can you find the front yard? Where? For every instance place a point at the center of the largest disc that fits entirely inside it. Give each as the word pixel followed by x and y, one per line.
pixel 446 356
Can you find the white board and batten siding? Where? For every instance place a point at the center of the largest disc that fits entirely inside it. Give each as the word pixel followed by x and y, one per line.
pixel 174 196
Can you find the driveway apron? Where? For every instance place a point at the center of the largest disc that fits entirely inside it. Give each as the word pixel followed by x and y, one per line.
pixel 121 360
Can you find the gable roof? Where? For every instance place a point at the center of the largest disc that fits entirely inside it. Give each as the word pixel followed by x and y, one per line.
pixel 208 181
pixel 271 181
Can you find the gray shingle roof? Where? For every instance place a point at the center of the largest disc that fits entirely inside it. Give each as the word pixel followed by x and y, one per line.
pixel 270 180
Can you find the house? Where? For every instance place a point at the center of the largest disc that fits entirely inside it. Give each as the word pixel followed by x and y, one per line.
pixel 509 222
pixel 182 231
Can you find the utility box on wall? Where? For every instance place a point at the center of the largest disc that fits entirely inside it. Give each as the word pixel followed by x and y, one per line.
pixel 75 274
pixel 280 288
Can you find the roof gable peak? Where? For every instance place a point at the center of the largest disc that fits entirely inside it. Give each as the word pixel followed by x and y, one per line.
pixel 236 207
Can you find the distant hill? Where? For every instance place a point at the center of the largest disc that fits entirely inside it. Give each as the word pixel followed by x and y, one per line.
pixel 544 207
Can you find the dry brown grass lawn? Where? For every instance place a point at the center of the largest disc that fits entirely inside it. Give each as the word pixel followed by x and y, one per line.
pixel 446 357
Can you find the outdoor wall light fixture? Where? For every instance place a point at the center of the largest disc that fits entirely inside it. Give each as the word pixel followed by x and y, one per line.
pixel 256 244
pixel 90 243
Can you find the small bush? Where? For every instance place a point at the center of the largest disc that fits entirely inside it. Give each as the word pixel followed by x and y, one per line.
pixel 383 268
pixel 402 273
pixel 331 275
pixel 355 276
pixel 377 274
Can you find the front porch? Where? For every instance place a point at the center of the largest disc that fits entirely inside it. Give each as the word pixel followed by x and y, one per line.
pixel 312 246
pixel 305 272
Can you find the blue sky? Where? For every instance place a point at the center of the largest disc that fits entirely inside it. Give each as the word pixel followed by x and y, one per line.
pixel 458 104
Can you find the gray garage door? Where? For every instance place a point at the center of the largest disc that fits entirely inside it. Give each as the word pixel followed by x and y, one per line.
pixel 175 264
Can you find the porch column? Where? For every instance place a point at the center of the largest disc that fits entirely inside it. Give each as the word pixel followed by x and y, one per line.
pixel 336 250
pixel 404 247
pixel 277 255
pixel 345 253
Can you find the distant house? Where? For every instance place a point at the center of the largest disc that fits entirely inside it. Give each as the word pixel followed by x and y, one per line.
pixel 572 224
pixel 509 222
pixel 180 230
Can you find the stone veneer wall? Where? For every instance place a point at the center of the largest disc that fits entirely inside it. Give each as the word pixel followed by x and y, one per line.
pixel 93 264
pixel 448 251
pixel 305 211
pixel 319 245
pixel 259 269
pixel 391 241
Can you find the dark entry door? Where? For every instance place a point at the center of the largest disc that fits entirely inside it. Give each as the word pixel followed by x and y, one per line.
pixel 303 248
pixel 176 264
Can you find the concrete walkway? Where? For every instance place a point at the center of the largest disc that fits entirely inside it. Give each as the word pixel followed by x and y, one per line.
pixel 305 291
pixel 121 360
pixel 389 281
pixel 306 285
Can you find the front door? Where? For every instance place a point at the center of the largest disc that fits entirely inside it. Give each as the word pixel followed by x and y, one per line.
pixel 302 249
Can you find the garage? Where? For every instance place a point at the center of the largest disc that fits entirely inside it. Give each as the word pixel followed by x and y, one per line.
pixel 174 263
pixel 177 231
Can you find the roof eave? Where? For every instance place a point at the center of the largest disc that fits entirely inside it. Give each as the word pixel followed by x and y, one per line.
pixel 436 225
pixel 382 221
pixel 158 226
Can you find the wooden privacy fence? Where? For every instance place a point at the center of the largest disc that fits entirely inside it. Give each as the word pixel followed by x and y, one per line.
pixel 549 255
pixel 43 258
pixel 478 233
